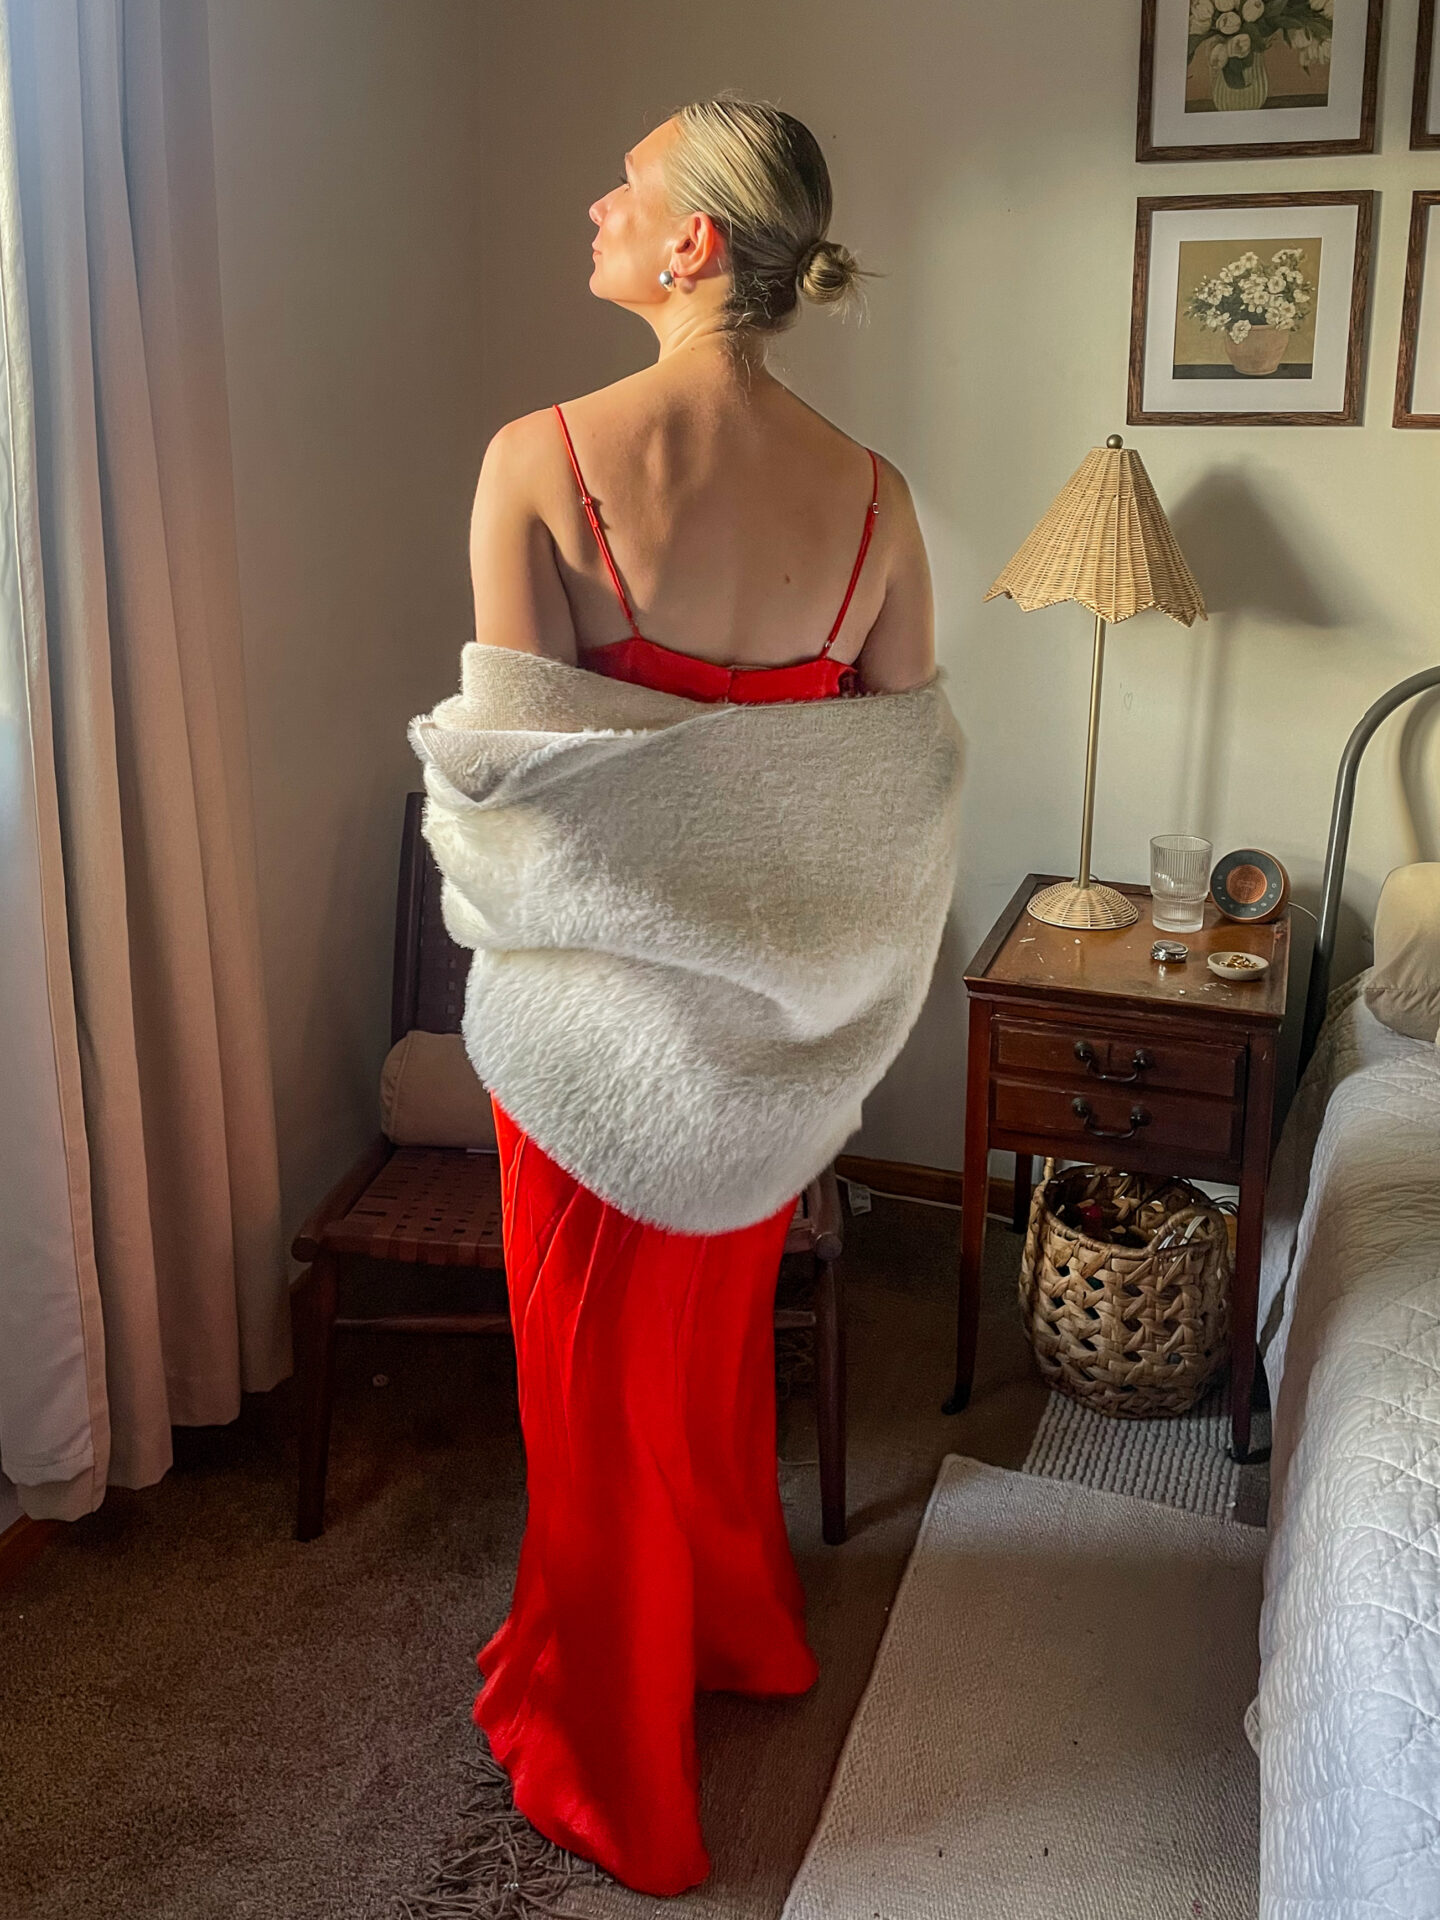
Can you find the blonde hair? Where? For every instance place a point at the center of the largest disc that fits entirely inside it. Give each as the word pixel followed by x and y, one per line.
pixel 759 174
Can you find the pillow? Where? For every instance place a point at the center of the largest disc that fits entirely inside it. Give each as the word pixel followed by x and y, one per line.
pixel 1404 988
pixel 430 1095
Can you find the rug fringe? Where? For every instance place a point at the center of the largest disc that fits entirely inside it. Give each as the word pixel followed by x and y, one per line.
pixel 500 1868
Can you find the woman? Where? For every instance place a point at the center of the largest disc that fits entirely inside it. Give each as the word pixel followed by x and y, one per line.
pixel 694 527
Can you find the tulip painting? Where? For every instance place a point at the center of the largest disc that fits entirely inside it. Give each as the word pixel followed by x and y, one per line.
pixel 1259 53
pixel 1259 79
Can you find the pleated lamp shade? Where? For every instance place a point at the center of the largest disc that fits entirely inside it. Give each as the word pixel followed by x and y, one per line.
pixel 1105 542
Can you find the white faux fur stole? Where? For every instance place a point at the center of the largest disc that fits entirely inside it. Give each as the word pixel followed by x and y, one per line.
pixel 701 932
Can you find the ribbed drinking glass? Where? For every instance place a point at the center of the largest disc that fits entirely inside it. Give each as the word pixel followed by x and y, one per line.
pixel 1179 881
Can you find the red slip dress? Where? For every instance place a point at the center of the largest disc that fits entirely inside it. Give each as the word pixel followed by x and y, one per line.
pixel 655 1559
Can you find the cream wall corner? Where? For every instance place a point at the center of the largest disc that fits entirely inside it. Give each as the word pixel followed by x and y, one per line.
pixel 349 176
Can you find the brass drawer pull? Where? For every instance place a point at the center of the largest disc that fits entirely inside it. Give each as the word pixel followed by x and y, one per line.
pixel 1140 1060
pixel 1138 1118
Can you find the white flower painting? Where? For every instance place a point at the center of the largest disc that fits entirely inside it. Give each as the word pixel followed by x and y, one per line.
pixel 1247 315
pixel 1250 309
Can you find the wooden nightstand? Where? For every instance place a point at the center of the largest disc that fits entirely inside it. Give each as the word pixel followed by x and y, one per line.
pixel 1083 1047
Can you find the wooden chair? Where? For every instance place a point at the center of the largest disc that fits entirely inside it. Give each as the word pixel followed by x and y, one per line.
pixel 440 1207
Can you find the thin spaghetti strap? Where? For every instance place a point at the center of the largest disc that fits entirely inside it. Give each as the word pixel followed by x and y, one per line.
pixel 870 513
pixel 595 527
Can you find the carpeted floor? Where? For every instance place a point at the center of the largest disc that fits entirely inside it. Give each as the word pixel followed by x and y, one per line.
pixel 206 1720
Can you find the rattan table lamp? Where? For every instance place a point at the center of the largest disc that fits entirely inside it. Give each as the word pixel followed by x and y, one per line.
pixel 1106 543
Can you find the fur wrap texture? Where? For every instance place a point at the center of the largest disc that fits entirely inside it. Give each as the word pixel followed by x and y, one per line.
pixel 702 933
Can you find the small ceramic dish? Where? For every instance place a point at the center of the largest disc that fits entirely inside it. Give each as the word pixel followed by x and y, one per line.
pixel 1237 966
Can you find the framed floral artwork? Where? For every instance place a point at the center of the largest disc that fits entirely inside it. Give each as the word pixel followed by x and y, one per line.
pixel 1425 108
pixel 1249 309
pixel 1257 79
pixel 1417 385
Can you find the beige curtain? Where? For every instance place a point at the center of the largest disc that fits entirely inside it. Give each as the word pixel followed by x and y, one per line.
pixel 143 841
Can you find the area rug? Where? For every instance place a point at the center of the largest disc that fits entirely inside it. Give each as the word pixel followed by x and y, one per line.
pixel 1053 1727
pixel 1182 1462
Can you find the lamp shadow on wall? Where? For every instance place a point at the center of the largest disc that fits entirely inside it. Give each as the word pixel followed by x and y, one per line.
pixel 1249 568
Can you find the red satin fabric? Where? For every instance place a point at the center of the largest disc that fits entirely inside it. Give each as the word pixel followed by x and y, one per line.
pixel 646 663
pixel 655 1557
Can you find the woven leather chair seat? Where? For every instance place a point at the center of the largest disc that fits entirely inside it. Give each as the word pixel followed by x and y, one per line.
pixel 440 1207
pixel 437 1206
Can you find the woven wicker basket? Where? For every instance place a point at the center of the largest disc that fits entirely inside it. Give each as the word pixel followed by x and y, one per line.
pixel 1133 1329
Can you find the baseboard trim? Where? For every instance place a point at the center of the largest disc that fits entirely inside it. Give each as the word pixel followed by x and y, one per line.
pixel 21 1541
pixel 911 1182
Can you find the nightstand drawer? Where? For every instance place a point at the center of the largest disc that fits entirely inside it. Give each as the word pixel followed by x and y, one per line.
pixel 1113 1056
pixel 1086 1117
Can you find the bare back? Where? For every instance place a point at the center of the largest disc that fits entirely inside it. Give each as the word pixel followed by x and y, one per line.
pixel 734 513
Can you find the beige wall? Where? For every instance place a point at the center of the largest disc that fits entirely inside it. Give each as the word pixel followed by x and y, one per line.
pixel 982 159
pixel 349 179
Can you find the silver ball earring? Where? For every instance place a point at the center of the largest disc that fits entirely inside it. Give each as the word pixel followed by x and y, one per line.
pixel 667 279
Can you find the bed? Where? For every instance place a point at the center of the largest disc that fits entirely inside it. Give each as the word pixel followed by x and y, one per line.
pixel 1347 1718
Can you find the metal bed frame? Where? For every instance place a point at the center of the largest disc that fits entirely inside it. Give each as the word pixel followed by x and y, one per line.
pixel 1339 845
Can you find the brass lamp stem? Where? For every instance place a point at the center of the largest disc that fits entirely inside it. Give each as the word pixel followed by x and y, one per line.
pixel 1081 903
pixel 1092 755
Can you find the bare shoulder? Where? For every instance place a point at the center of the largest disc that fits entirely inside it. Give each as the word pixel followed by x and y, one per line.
pixel 523 446
pixel 526 506
pixel 520 600
pixel 634 396
pixel 897 503
pixel 528 453
pixel 899 650
pixel 899 523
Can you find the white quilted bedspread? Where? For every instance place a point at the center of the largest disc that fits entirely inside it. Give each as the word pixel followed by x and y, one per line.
pixel 1349 1703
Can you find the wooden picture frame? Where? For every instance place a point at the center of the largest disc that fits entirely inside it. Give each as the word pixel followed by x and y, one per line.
pixel 1165 104
pixel 1425 103
pixel 1316 241
pixel 1419 359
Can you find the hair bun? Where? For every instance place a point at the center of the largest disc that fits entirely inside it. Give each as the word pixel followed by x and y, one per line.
pixel 826 272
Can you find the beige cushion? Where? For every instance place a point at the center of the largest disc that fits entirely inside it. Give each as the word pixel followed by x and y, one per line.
pixel 1404 989
pixel 430 1095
